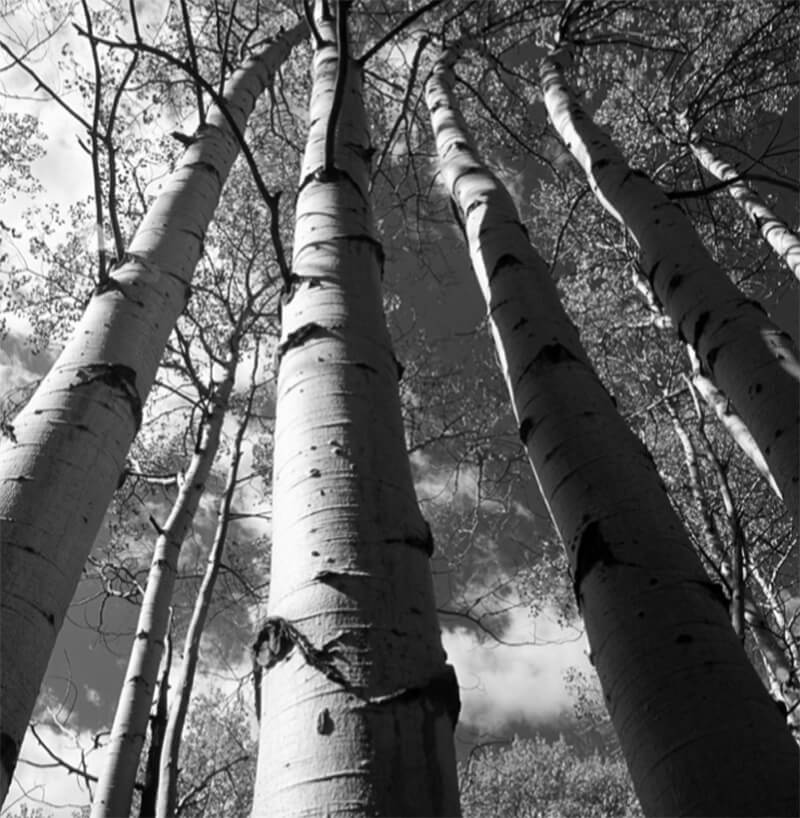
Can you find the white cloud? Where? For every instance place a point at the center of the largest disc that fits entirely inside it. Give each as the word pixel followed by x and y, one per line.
pixel 93 696
pixel 509 685
pixel 51 786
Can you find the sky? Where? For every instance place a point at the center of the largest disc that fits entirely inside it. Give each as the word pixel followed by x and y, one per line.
pixel 505 689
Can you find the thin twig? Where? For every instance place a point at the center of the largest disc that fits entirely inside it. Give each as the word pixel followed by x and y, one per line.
pixel 187 27
pixel 407 21
pixel 97 182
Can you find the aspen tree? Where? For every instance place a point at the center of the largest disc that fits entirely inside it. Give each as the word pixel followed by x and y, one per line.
pixel 115 787
pixel 166 799
pixel 753 362
pixel 359 704
pixel 774 231
pixel 59 468
pixel 698 730
pixel 776 660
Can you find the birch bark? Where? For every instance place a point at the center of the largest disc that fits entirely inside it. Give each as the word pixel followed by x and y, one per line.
pixel 777 661
pixel 58 474
pixel 167 793
pixel 774 231
pixel 359 704
pixel 753 362
pixel 115 787
pixel 681 693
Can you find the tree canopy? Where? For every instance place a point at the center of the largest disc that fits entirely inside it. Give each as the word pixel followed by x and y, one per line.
pixel 129 124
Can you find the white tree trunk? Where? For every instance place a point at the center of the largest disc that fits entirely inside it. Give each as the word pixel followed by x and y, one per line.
pixel 774 230
pixel 359 704
pixel 115 787
pixel 730 420
pixel 777 661
pixel 58 474
pixel 753 362
pixel 681 693
pixel 166 799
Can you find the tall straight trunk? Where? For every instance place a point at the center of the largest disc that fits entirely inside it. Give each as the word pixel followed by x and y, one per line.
pixel 115 787
pixel 359 704
pixel 166 799
pixel 682 696
pixel 58 473
pixel 774 231
pixel 753 362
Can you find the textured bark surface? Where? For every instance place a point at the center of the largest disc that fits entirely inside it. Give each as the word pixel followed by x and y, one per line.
pixel 58 476
pixel 167 792
pixel 733 424
pixel 753 362
pixel 115 787
pixel 699 732
pixel 774 231
pixel 359 705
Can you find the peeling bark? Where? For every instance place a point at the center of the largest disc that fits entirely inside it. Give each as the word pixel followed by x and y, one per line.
pixel 57 477
pixel 681 693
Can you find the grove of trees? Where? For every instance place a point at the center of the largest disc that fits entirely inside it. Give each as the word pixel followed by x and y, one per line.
pixel 262 459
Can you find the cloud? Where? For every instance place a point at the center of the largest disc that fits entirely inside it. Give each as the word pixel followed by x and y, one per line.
pixel 510 685
pixel 51 786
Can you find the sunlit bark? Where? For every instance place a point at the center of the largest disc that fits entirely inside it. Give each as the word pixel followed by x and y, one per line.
pixel 682 696
pixel 774 230
pixel 359 704
pixel 115 787
pixel 753 362
pixel 782 676
pixel 182 689
pixel 733 424
pixel 58 472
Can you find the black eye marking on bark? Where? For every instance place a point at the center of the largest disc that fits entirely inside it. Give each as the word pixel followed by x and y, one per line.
pixel 208 168
pixel 111 285
pixel 549 355
pixel 297 338
pixel 117 376
pixel 506 260
pixel 278 637
pixel 185 140
pixel 525 429
pixel 440 692
pixel 324 722
pixel 593 550
pixel 424 543
pixel 674 283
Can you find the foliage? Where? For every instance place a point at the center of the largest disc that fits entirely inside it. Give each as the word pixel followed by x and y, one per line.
pixel 534 778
